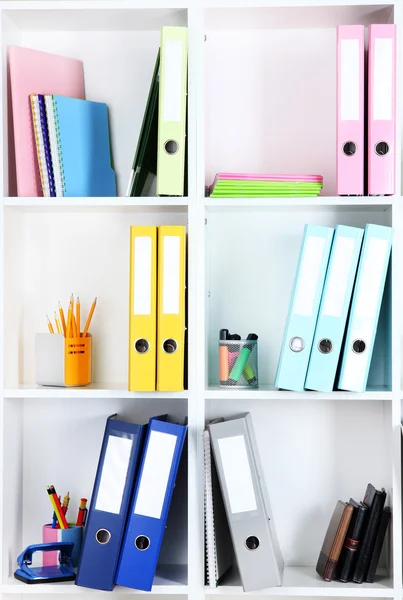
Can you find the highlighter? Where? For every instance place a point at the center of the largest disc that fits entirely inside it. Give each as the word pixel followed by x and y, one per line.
pixel 242 360
pixel 233 349
pixel 223 357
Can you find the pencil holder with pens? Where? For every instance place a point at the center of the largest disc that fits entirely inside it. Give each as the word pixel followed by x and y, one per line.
pixel 62 362
pixel 238 361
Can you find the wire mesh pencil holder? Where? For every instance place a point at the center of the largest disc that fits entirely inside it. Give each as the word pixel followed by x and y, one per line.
pixel 62 362
pixel 238 363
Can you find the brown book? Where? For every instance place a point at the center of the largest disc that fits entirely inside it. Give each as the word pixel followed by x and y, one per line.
pixel 334 540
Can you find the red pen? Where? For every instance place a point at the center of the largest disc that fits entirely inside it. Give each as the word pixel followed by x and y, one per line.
pixel 82 513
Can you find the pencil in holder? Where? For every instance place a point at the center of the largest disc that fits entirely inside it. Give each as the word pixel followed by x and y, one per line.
pixel 238 363
pixel 62 362
pixel 73 534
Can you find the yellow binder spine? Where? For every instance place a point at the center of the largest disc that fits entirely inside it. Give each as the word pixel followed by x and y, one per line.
pixel 143 309
pixel 171 308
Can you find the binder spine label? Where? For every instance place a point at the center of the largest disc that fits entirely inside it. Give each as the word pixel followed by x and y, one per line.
pixel 383 79
pixel 237 474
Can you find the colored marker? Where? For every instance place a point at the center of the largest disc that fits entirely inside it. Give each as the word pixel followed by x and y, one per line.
pixel 223 356
pixel 242 360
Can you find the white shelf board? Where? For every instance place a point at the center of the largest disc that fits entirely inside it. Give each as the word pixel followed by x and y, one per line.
pixel 94 390
pixel 304 581
pixel 379 203
pixel 143 204
pixel 269 392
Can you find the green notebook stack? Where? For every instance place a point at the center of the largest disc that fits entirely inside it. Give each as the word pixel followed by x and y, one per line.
pixel 240 185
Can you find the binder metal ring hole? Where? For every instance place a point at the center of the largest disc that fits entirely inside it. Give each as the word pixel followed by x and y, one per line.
pixel 349 148
pixel 297 344
pixel 142 542
pixel 252 542
pixel 381 148
pixel 141 346
pixel 171 147
pixel 103 536
pixel 359 346
pixel 170 346
pixel 325 346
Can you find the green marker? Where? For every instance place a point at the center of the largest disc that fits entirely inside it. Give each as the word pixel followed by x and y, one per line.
pixel 242 360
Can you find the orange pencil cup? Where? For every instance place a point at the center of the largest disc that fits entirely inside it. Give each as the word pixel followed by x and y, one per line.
pixel 62 362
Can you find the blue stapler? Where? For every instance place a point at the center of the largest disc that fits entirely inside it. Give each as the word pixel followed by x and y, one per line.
pixel 61 572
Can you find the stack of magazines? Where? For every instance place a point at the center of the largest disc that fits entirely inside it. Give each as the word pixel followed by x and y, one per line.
pixel 243 185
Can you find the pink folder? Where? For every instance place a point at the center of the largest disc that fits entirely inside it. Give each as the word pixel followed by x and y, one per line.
pixel 381 109
pixel 350 111
pixel 34 72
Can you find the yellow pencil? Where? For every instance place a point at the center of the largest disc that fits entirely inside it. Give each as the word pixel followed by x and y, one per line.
pixel 78 316
pixel 57 324
pixel 50 326
pixel 74 324
pixel 62 319
pixel 68 332
pixel 89 318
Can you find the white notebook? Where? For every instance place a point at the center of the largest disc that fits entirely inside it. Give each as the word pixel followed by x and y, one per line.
pixel 219 549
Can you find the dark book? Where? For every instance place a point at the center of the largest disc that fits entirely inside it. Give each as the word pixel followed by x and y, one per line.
pixel 334 540
pixel 375 501
pixel 373 564
pixel 351 543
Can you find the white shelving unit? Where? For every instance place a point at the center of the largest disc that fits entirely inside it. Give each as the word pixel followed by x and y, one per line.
pixel 261 97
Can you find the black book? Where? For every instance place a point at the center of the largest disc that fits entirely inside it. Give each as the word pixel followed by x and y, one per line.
pixel 378 545
pixel 351 543
pixel 375 501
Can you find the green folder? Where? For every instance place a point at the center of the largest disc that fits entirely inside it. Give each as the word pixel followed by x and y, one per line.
pixel 145 159
pixel 258 188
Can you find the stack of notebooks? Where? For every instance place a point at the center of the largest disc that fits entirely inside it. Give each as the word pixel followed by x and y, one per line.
pixel 237 507
pixel 73 146
pixel 62 141
pixel 242 185
pixel 132 494
pixel 354 539
pixel 335 308
pixel 157 317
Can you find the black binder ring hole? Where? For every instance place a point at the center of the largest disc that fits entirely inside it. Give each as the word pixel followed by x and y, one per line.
pixel 349 148
pixel 359 346
pixel 171 147
pixel 381 148
pixel 325 346
pixel 252 542
pixel 142 542
pixel 297 344
pixel 170 346
pixel 141 346
pixel 102 536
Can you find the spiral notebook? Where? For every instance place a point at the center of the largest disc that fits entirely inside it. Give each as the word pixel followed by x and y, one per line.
pixel 219 549
pixel 80 147
pixel 43 152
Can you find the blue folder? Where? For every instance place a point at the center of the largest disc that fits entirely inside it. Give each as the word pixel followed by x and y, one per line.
pixel 365 308
pixel 150 505
pixel 113 487
pixel 84 147
pixel 304 307
pixel 333 311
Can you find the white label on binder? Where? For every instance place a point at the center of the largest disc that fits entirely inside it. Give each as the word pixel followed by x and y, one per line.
pixel 308 276
pixel 237 474
pixel 350 80
pixel 172 60
pixel 339 276
pixel 369 291
pixel 171 275
pixel 155 475
pixel 114 472
pixel 142 266
pixel 382 85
